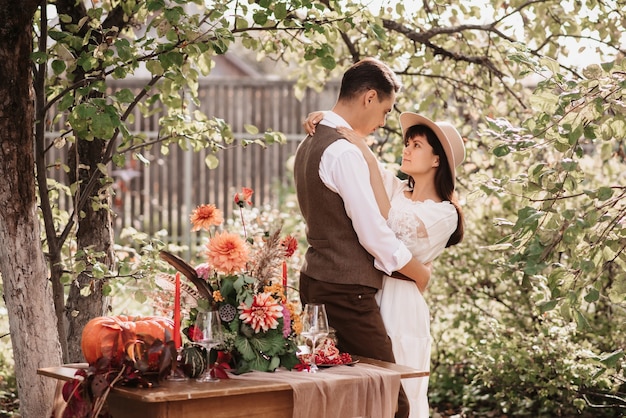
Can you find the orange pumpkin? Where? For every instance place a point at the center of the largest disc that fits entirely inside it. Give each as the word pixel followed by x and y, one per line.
pixel 108 336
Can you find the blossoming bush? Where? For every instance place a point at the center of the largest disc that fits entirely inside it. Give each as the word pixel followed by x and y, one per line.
pixel 244 278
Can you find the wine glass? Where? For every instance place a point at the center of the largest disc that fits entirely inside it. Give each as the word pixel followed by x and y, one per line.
pixel 208 335
pixel 314 326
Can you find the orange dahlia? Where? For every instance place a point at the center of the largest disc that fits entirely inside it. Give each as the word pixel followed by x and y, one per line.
pixel 227 252
pixel 204 216
pixel 263 313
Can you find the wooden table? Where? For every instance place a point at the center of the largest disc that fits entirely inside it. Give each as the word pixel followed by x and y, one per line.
pixel 228 398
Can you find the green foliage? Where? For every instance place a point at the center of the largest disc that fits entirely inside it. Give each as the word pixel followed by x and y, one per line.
pixel 536 291
pixel 544 373
pixel 570 238
pixel 551 374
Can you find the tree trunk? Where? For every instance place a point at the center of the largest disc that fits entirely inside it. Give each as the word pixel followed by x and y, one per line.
pixel 27 289
pixel 95 229
pixel 95 234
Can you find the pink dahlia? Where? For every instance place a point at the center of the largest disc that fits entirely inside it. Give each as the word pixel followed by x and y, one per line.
pixel 204 271
pixel 263 314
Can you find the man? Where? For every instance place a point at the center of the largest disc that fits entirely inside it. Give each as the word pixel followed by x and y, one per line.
pixel 350 244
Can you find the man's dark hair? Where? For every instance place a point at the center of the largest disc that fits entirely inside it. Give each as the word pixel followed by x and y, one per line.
pixel 369 74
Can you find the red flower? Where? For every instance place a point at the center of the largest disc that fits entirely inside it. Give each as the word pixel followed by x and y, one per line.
pixel 244 197
pixel 290 244
pixel 194 333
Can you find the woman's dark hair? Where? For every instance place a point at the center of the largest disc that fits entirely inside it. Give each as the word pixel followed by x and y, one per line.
pixel 368 74
pixel 444 183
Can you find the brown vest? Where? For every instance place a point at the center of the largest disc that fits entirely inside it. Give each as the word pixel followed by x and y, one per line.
pixel 334 254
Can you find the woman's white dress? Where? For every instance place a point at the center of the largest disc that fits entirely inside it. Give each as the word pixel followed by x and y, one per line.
pixel 424 227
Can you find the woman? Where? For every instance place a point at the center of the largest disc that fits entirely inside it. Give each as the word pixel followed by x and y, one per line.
pixel 424 214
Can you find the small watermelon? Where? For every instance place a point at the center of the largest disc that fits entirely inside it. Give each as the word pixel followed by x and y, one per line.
pixel 193 360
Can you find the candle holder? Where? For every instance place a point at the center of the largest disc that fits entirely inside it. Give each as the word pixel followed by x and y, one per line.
pixel 176 373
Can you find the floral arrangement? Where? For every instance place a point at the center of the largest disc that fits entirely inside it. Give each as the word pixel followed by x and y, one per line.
pixel 244 278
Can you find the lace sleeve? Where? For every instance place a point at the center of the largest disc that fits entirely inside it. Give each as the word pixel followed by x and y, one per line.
pixel 409 229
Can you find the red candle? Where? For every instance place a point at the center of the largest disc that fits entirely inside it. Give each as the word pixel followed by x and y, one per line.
pixel 177 338
pixel 285 274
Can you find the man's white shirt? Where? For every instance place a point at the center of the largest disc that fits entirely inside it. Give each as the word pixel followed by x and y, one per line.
pixel 343 170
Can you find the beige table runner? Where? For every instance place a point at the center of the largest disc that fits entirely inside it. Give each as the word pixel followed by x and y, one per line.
pixel 362 390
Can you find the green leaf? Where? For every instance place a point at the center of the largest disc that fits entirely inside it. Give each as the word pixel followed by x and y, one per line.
pixel 592 296
pixel 85 110
pixel 528 217
pixel 569 165
pixel 244 347
pixel 260 18
pixel 154 5
pixel 205 63
pixel 102 125
pixel 379 31
pixel 274 363
pixel 65 18
pixel 66 102
pixel 87 62
pixel 612 359
pixel 211 161
pixel 155 67
pixel 241 23
pixel 550 64
pixel 107 289
pixel 544 101
pixel 251 129
pixel 171 59
pixel 581 321
pixel 98 270
pixel 501 150
pixel 124 50
pixel 328 62
pixel 58 66
pixel 547 306
pixel 140 296
pixel 39 57
pixel 125 96
pixel 280 11
pixel 124 269
pixel 605 193
pixel 79 267
pixel 228 291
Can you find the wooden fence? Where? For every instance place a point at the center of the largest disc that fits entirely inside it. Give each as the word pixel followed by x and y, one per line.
pixel 162 194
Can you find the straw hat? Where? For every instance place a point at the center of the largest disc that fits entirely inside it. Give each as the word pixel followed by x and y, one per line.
pixel 446 133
